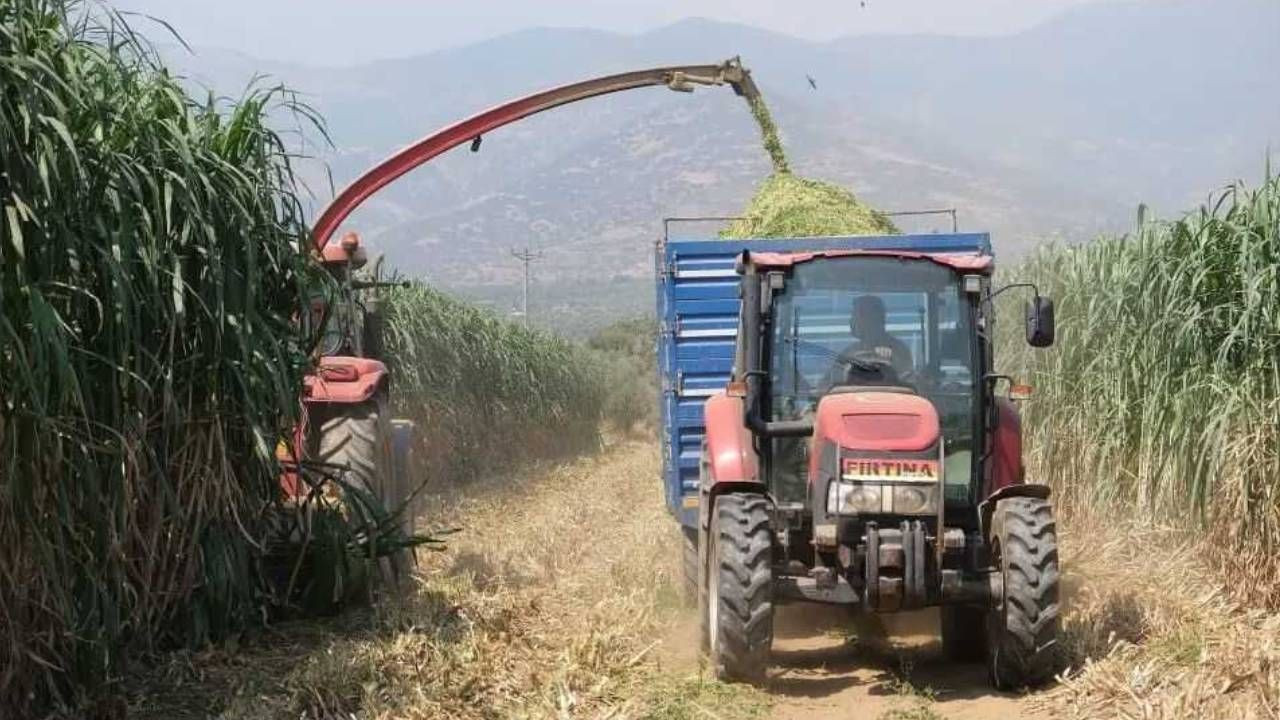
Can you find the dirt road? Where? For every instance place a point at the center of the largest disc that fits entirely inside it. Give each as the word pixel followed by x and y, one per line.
pixel 821 671
pixel 821 675
pixel 559 598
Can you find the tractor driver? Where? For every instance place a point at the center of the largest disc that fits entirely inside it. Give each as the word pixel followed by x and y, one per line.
pixel 874 343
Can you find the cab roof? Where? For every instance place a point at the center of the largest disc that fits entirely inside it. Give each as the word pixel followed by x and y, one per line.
pixel 964 262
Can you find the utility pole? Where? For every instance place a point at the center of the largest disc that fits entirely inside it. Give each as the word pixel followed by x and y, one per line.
pixel 525 256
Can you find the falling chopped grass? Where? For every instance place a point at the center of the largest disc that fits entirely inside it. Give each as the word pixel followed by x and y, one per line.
pixel 789 206
pixel 769 134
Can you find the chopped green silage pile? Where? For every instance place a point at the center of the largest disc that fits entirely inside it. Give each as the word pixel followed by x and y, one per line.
pixel 790 206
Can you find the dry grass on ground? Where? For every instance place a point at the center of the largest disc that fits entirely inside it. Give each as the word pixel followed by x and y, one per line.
pixel 1152 632
pixel 557 599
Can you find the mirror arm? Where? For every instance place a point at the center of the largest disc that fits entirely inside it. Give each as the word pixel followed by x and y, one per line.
pixel 990 298
pixel 1035 290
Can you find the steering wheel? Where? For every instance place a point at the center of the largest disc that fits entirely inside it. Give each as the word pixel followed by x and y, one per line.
pixel 865 362
pixel 865 365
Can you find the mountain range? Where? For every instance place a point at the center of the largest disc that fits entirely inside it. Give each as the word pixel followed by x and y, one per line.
pixel 1052 134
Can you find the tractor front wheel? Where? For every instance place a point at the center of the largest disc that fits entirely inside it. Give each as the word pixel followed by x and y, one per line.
pixel 739 598
pixel 1022 627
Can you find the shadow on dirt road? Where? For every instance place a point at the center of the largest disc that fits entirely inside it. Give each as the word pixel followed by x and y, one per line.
pixel 827 664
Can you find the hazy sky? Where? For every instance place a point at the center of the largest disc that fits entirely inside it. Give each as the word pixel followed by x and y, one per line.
pixel 340 32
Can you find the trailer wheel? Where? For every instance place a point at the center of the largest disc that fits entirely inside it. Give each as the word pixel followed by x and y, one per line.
pixel 740 587
pixel 358 437
pixel 1022 631
pixel 964 633
pixel 689 566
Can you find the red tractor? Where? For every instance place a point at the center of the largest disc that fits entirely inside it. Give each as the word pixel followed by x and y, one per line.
pixel 861 454
pixel 347 431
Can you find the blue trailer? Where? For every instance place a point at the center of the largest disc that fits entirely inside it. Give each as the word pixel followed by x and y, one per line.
pixel 697 306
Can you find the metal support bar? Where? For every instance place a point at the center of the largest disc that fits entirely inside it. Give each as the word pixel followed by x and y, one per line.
pixel 871 567
pixel 955 223
pixel 668 222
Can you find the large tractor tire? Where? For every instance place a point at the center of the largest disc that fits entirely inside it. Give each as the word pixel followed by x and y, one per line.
pixel 358 437
pixel 1022 631
pixel 964 633
pixel 739 597
pixel 689 566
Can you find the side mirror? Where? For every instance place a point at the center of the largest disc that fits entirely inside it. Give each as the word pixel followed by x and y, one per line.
pixel 1040 331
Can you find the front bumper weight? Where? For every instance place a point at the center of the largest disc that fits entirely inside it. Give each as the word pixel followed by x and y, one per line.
pixel 895 571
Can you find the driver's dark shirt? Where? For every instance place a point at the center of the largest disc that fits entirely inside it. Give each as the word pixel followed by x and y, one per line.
pixel 886 347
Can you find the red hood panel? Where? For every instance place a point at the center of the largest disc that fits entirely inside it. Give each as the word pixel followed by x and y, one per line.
pixel 877 421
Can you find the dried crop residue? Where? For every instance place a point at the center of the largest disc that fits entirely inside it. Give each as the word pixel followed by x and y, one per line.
pixel 558 598
pixel 830 665
pixel 1152 633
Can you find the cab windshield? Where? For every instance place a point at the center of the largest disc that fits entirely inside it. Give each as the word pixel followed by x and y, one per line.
pixel 873 321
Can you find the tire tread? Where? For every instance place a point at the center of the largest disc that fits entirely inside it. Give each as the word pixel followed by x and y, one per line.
pixel 745 575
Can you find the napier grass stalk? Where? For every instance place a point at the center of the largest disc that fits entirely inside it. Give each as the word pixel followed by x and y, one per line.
pixel 491 392
pixel 1161 399
pixel 151 259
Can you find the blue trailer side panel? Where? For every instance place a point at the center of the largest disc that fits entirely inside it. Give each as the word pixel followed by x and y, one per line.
pixel 698 327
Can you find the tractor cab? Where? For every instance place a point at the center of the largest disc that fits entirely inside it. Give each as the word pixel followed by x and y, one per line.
pixel 879 352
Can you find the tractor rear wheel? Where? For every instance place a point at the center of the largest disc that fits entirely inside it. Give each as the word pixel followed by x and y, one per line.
pixel 964 633
pixel 1022 630
pixel 740 587
pixel 358 437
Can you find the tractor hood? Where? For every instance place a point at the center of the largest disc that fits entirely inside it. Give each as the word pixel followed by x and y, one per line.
pixel 877 421
pixel 875 451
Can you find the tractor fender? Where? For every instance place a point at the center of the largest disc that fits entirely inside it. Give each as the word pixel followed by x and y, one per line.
pixel 341 379
pixel 988 506
pixel 728 453
pixel 1004 468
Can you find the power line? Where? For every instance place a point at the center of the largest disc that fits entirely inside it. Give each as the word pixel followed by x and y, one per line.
pixel 525 256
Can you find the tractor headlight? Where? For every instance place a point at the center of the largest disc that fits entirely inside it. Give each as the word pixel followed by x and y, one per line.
pixel 915 499
pixel 857 498
pixel 853 498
